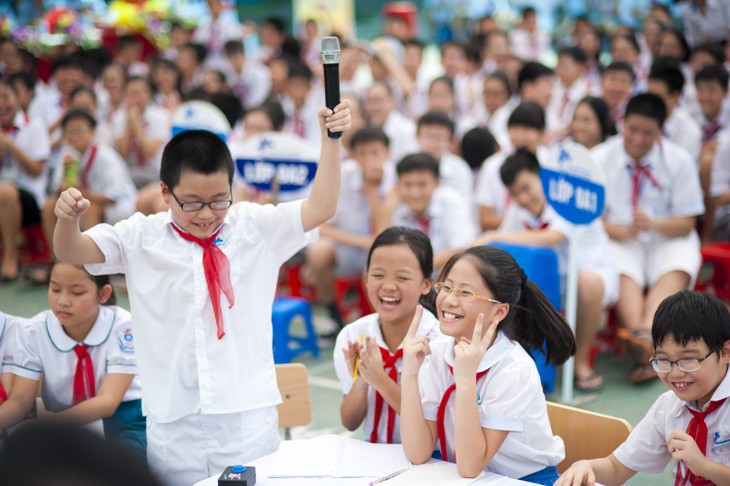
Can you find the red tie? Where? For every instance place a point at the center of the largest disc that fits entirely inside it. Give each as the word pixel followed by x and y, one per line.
pixel 84 383
pixel 640 171
pixel 697 429
pixel 217 274
pixel 442 412
pixel 3 393
pixel 298 125
pixel 709 130
pixel 423 222
pixel 389 361
pixel 541 225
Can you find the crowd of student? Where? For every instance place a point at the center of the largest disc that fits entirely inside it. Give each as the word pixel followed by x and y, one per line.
pixel 429 171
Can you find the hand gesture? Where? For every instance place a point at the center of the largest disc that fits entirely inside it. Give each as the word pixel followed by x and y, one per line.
pixel 415 348
pixel 683 448
pixel 642 221
pixel 352 353
pixel 336 121
pixel 371 363
pixel 469 353
pixel 578 474
pixel 71 205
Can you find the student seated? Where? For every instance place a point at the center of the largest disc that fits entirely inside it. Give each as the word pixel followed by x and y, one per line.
pixel 7 329
pixel 530 220
pixel 689 423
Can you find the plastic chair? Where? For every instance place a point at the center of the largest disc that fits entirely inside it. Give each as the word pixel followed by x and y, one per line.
pixel 295 408
pixel 587 435
pixel 351 308
pixel 292 285
pixel 541 266
pixel 286 345
pixel 718 256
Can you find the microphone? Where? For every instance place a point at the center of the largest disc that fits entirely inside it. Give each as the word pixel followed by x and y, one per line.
pixel 330 47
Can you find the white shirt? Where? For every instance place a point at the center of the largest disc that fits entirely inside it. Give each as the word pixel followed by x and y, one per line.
pixel 32 138
pixel 156 122
pixel 713 26
pixel 402 134
pixel 308 117
pixel 214 33
pixel 645 449
pixel 42 346
pixel 684 131
pixel 46 107
pixel 185 367
pixel 450 222
pixel 370 326
pixel 721 172
pixel 252 84
pixel 8 324
pixel 509 398
pixel 529 46
pixel 468 92
pixel 565 98
pixel 497 124
pixel 455 173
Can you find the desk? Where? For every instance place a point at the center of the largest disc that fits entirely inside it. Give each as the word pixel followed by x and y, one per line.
pixel 263 464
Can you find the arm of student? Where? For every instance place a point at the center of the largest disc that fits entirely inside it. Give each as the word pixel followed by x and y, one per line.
pixel 32 166
pixel 488 218
pixel 722 199
pixel 346 238
pixel 70 245
pixel 440 259
pixel 354 406
pixel 683 448
pixel 383 218
pixel 321 204
pixel 606 470
pixel 619 232
pixel 675 226
pixel 104 404
pixel 388 59
pixel 19 403
pixel 544 237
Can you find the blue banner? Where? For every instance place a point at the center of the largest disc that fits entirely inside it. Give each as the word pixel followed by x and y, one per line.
pixel 291 175
pixel 578 200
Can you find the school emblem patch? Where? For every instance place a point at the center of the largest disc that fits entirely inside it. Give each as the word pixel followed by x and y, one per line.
pixel 126 340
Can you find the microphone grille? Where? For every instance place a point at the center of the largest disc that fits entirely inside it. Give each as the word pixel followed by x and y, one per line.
pixel 330 47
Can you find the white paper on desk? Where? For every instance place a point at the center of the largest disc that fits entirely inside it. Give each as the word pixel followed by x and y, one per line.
pixel 437 472
pixel 336 456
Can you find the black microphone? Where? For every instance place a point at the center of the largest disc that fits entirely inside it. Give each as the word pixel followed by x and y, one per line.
pixel 330 47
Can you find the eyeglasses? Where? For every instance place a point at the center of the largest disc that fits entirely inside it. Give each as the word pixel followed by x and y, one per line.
pixel 465 294
pixel 193 206
pixel 684 364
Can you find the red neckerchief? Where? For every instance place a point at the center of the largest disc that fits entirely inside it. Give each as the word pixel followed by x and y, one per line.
pixel 442 412
pixel 640 171
pixel 541 225
pixel 3 393
pixel 697 429
pixel 87 166
pixel 217 274
pixel 389 361
pixel 84 382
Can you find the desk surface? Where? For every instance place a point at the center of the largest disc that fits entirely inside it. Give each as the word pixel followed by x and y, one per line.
pixel 264 464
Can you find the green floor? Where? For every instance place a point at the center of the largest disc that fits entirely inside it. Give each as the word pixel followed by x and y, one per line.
pixel 617 397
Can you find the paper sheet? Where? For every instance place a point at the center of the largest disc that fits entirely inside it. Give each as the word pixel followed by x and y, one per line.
pixel 437 472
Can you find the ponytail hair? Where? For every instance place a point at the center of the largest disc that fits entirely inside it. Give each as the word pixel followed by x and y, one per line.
pixel 531 320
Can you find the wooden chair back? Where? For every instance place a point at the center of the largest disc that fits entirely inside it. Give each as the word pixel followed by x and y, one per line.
pixel 296 408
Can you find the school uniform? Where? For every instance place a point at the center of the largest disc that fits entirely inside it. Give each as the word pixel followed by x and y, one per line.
pixel 720 185
pixel 7 327
pixel 667 186
pixel 566 98
pixel 214 33
pixel 468 93
pixel 448 221
pixel 47 107
pixel 156 122
pixel 41 346
pixel 683 130
pixel 455 173
pixel 645 450
pixel 497 124
pixel 369 326
pixel 509 398
pixel 303 121
pixel 592 246
pixel 529 46
pixel 711 129
pixel 402 134
pixel 710 26
pixel 252 84
pixel 210 402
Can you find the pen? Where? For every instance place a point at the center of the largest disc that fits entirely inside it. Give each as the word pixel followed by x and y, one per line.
pixel 357 361
pixel 389 476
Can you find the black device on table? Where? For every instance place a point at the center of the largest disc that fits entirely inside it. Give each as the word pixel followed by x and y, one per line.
pixel 238 476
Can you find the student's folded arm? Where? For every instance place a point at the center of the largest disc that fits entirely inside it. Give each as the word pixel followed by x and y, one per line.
pixel 32 166
pixel 616 232
pixel 722 199
pixel 488 218
pixel 19 403
pixel 104 404
pixel 346 238
pixel 716 472
pixel 544 237
pixel 609 470
pixel 674 226
pixel 354 406
pixel 391 393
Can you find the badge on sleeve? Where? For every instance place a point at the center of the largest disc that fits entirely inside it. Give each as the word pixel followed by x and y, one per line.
pixel 126 340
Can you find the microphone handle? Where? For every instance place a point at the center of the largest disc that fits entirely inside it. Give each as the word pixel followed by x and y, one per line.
pixel 332 92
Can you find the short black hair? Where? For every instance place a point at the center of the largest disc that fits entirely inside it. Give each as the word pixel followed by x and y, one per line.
pixel 276 23
pixel 629 37
pixel 126 41
pixel 78 115
pixel 199 50
pixel 438 118
pixel 27 79
pixel 414 43
pixel 531 72
pixel 603 114
pixel 477 145
pixel 620 66
pixel 527 114
pixel 577 54
pixel 712 49
pixel 300 70
pixel 679 35
pixel 442 79
pixel 502 77
pixel 419 162
pixel 367 135
pixel 717 74
pixel 144 80
pixel 692 316
pixel 67 61
pixel 666 70
pixel 233 47
pixel 648 105
pixel 198 151
pixel 521 160
pixel 83 89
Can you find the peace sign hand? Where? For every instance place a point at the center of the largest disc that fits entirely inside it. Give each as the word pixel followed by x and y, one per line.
pixel 415 348
pixel 469 353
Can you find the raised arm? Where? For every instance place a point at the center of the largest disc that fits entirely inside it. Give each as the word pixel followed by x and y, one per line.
pixel 69 244
pixel 321 204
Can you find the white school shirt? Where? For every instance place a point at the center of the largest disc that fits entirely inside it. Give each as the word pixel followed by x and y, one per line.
pixel 252 84
pixel 8 324
pixel 565 98
pixel 455 173
pixel 721 172
pixel 645 450
pixel 186 369
pixel 529 46
pixel 402 134
pixel 32 138
pixel 308 116
pixel 42 346
pixel 214 33
pixel 497 124
pixel 156 122
pixel 468 92
pixel 370 326
pixel 710 27
pixel 46 107
pixel 723 117
pixel 509 398
pixel 684 131
pixel 451 222
pixel 106 173
pixel 679 192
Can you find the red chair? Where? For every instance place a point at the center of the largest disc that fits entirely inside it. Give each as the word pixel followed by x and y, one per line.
pixel 352 301
pixel 291 283
pixel 717 255
pixel 35 250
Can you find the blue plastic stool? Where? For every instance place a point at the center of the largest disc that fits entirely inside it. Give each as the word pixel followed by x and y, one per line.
pixel 287 346
pixel 541 266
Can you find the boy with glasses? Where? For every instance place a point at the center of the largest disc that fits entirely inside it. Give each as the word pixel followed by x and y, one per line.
pixel 689 424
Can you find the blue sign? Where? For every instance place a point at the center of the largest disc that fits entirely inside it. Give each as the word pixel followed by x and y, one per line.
pixel 291 175
pixel 572 186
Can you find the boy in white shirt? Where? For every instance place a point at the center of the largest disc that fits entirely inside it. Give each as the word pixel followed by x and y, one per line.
pixel 300 103
pixel 210 386
pixel 617 80
pixel 215 31
pixel 691 332
pixel 249 79
pixel 653 198
pixel 573 85
pixel 380 111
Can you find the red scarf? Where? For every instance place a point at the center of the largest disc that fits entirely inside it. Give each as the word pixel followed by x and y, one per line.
pixel 84 382
pixel 3 393
pixel 217 274
pixel 640 171
pixel 541 225
pixel 442 412
pixel 389 361
pixel 697 429
pixel 87 166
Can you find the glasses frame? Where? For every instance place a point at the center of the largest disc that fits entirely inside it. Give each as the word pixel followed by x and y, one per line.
pixel 655 362
pixel 192 206
pixel 468 297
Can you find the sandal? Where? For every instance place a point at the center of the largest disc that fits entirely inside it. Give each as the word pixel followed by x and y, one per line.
pixel 643 373
pixel 638 343
pixel 589 383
